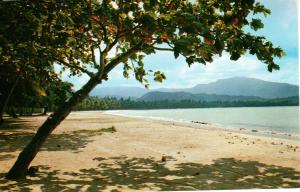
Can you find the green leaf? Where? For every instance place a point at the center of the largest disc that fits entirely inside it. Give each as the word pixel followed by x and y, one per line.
pixel 189 60
pixel 176 54
pixel 219 45
pixel 256 24
pixel 159 76
pixel 235 56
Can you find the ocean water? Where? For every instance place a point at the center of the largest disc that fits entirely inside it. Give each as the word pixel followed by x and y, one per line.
pixel 273 119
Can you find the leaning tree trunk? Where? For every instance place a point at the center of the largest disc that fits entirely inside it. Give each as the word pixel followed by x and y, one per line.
pixel 20 167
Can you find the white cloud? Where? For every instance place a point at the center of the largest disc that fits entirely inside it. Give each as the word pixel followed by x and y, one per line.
pixel 179 75
pixel 223 67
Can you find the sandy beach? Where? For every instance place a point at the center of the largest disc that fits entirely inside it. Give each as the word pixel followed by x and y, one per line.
pixel 86 154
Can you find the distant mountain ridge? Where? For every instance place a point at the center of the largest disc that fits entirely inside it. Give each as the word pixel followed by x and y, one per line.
pixel 247 87
pixel 236 86
pixel 177 96
pixel 119 92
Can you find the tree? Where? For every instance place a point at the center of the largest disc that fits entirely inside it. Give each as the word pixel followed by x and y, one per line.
pixel 125 31
pixel 32 38
pixel 56 93
pixel 35 90
pixel 8 83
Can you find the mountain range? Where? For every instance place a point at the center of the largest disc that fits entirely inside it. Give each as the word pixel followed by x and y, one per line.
pixel 119 92
pixel 236 88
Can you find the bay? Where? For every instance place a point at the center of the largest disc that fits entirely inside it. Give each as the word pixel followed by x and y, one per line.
pixel 277 119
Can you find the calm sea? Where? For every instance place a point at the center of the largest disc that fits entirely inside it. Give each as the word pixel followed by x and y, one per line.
pixel 273 119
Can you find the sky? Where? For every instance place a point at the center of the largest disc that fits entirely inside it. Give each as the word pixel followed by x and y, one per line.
pixel 281 27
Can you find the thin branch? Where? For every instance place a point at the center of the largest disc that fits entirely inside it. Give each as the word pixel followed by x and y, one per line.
pixel 113 63
pixel 94 58
pixel 122 33
pixel 118 36
pixel 77 67
pixel 102 59
pixel 110 46
pixel 105 32
pixel 163 49
pixel 170 45
pixel 91 27
pixel 102 63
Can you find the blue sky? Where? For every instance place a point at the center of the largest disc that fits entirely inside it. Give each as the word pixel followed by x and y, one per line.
pixel 281 27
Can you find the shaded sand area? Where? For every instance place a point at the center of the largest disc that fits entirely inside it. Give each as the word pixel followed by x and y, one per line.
pixel 86 154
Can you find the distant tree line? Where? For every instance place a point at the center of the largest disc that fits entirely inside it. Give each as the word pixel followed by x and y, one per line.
pixel 111 103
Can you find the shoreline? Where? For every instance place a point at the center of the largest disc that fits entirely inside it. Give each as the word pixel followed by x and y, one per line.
pixel 294 136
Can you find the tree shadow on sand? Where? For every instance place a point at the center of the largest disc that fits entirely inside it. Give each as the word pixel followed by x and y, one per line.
pixel 17 124
pixel 16 134
pixel 149 174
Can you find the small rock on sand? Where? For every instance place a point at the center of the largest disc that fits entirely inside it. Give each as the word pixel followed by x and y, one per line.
pixel 199 122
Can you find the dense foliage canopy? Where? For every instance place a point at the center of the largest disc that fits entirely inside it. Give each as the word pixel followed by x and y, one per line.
pixel 37 34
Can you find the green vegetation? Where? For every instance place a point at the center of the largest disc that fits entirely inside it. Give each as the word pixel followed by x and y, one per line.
pixel 35 35
pixel 110 103
pixel 31 94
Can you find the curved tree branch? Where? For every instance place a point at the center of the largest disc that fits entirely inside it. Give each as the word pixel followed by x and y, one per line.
pixel 78 68
pixel 123 56
pixel 163 49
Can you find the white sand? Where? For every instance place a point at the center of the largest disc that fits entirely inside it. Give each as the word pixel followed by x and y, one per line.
pixel 224 159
